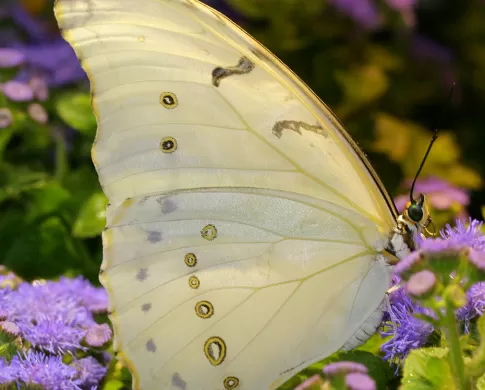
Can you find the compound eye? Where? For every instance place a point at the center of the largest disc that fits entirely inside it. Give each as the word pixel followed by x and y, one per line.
pixel 415 212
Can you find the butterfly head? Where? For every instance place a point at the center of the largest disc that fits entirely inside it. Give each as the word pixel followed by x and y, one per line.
pixel 417 213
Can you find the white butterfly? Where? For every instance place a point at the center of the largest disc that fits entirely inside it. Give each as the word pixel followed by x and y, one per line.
pixel 247 235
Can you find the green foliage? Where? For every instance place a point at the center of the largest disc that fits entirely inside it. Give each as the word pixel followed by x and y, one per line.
pixel 74 108
pixel 426 369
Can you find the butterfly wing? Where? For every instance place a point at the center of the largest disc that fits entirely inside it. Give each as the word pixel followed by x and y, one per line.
pixel 244 224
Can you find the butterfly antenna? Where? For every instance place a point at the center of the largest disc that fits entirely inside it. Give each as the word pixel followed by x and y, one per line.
pixel 433 138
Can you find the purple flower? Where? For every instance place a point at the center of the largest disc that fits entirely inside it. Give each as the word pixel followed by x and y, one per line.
pixel 363 12
pixel 455 241
pixel 477 258
pixel 440 194
pixel 10 58
pixel 343 368
pixel 6 118
pixel 53 335
pixel 39 87
pixel 470 235
pixel 55 61
pixel 47 371
pixel 475 305
pixel 311 383
pixel 45 300
pixel 10 328
pixel 89 372
pixel 17 91
pixel 409 332
pixel 98 335
pixel 38 113
pixel 421 283
pixel 9 371
pixel 359 381
pixel 401 4
pixel 93 298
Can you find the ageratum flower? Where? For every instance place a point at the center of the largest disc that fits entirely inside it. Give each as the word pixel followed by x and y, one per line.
pixel 359 381
pixel 54 336
pixel 10 58
pixel 314 382
pixel 408 331
pixel 364 12
pixel 48 371
pixel 6 118
pixel 9 371
pixel 89 372
pixel 45 300
pixel 98 335
pixel 475 305
pixel 343 368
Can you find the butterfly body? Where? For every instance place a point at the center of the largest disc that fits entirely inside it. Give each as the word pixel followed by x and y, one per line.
pixel 246 232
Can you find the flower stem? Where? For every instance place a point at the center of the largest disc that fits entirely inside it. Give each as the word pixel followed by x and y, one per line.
pixel 455 354
pixel 61 157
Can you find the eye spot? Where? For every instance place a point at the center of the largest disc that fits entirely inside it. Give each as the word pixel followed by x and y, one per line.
pixel 204 309
pixel 194 282
pixel 168 145
pixel 231 382
pixel 190 260
pixel 215 350
pixel 141 38
pixel 209 232
pixel 168 100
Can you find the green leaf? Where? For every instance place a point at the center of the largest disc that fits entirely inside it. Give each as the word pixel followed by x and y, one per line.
pixel 476 365
pixel 15 180
pixel 46 200
pixel 113 384
pixel 5 136
pixel 481 383
pixel 92 217
pixel 43 250
pixel 74 108
pixel 427 368
pixel 373 345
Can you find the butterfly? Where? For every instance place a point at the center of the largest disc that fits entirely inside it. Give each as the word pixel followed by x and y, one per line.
pixel 247 235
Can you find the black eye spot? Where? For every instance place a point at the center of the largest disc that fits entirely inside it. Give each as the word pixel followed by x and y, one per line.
pixel 168 100
pixel 168 145
pixel 415 212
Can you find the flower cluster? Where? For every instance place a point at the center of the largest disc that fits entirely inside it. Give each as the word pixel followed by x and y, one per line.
pixel 37 59
pixel 46 323
pixel 366 13
pixel 343 375
pixel 440 289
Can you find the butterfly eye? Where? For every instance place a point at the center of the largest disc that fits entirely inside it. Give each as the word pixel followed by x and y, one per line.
pixel 415 212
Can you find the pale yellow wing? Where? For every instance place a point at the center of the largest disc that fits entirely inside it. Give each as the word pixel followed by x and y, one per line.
pixel 244 227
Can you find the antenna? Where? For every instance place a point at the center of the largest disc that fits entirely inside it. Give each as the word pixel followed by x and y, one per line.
pixel 433 138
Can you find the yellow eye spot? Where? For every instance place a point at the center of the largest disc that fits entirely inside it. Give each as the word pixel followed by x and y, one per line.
pixel 231 382
pixel 215 350
pixel 194 282
pixel 209 232
pixel 168 145
pixel 168 100
pixel 204 309
pixel 141 38
pixel 190 260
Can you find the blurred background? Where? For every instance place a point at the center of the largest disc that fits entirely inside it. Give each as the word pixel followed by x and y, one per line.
pixel 385 67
